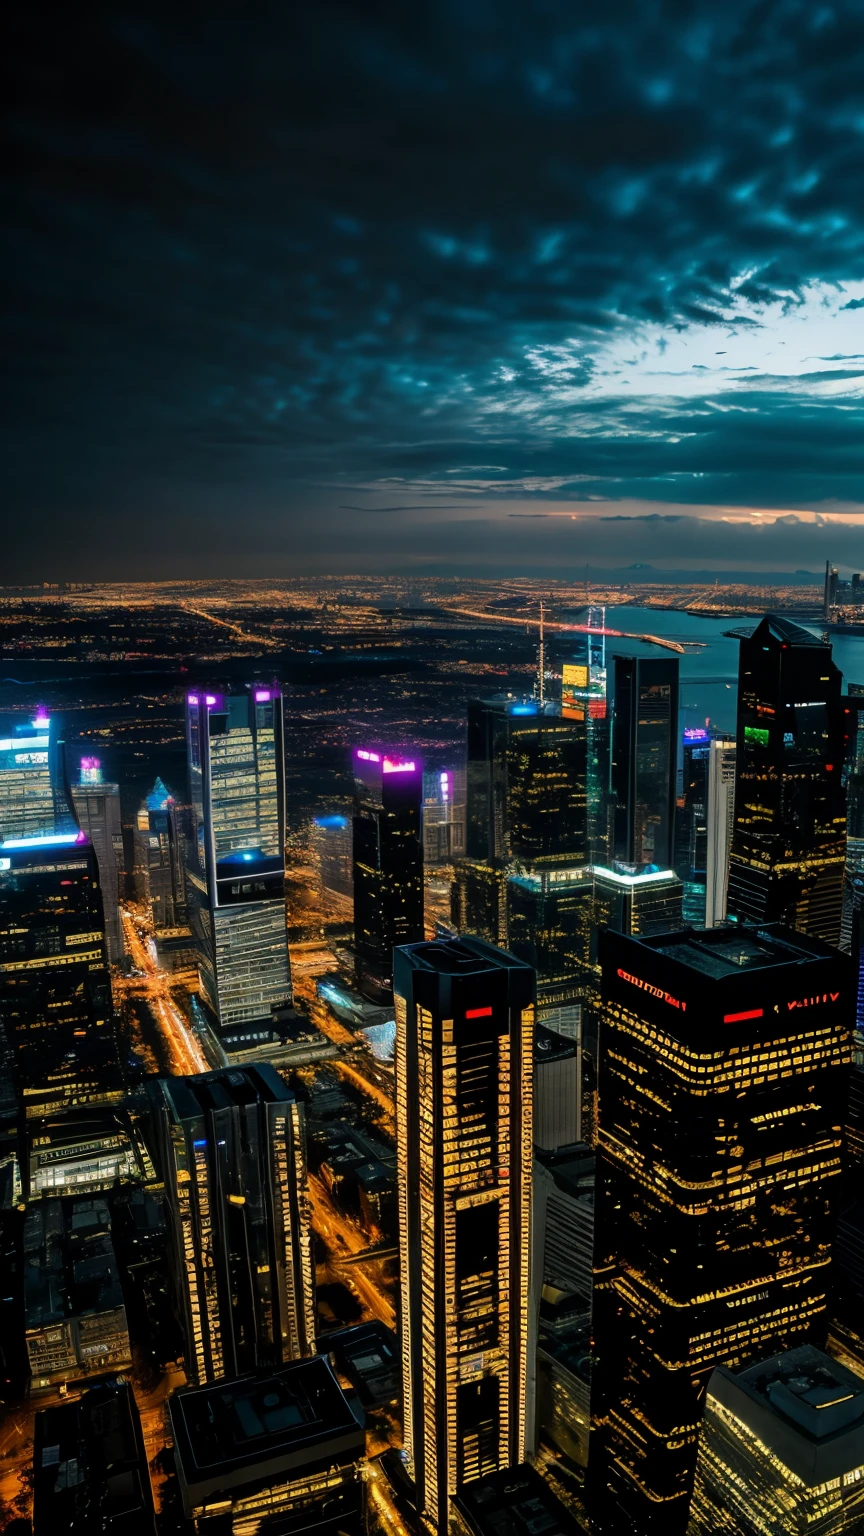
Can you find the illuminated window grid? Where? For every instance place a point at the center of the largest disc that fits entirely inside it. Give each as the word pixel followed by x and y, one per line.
pixel 208 1262
pixel 400 1065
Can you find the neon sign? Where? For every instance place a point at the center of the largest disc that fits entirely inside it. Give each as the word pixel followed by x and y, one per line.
pixel 481 1013
pixel 813 1002
pixel 738 1018
pixel 659 992
pixel 367 757
pixel 394 765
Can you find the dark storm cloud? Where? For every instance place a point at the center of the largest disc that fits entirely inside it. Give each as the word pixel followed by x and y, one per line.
pixel 259 254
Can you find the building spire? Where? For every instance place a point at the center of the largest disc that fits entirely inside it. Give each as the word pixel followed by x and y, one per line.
pixel 541 659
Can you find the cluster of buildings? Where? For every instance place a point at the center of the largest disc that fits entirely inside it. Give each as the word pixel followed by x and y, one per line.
pixel 629 1116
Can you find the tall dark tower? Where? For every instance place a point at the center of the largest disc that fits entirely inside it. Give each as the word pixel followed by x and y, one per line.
pixel 644 759
pixel 527 805
pixel 232 1149
pixel 388 863
pixel 464 1061
pixel 56 1019
pixel 724 1066
pixel 789 834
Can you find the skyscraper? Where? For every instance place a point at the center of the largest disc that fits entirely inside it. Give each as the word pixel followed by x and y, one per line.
pixel 644 759
pixel 443 815
pixel 159 858
pixel 464 1056
pixel 333 841
pixel 782 1450
pixel 724 1061
pixel 691 822
pixel 388 863
pixel 789 836
pixel 720 819
pixel 635 900
pixel 583 696
pixel 33 790
pixel 236 875
pixel 56 1018
pixel 97 809
pixel 232 1152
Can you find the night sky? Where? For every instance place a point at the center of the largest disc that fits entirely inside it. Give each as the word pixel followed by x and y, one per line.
pixel 468 287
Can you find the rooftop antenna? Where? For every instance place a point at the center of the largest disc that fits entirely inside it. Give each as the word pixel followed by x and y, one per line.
pixel 541 660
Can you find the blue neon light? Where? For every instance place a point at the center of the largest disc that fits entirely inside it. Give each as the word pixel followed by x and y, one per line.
pixel 523 709
pixel 50 840
pixel 331 821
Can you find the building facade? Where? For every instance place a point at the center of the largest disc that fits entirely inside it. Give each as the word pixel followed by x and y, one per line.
pixel 232 1151
pixel 782 1450
pixel 720 821
pixel 644 759
pixel 464 1057
pixel 57 1024
pixel 97 811
pixel 724 1063
pixel 388 863
pixel 235 879
pixel 789 836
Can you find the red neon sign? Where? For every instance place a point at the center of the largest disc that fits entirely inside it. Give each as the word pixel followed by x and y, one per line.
pixel 646 986
pixel 478 1013
pixel 738 1018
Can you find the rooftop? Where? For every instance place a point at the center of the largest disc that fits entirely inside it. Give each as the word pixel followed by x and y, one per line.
pixel 549 1046
pixel 785 631
pixel 721 952
pixel 69 1264
pixel 804 1407
pixel 293 1411
pixel 460 957
pixel 514 1503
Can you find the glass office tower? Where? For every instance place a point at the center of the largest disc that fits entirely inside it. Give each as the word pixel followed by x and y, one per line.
pixel 159 858
pixel 464 1060
pixel 644 759
pixel 789 837
pixel 235 880
pixel 34 800
pixel 720 820
pixel 56 1016
pixel 232 1154
pixel 388 863
pixel 526 805
pixel 583 697
pixel 97 809
pixel 724 1065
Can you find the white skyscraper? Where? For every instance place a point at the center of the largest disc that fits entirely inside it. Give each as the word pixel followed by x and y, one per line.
pixel 721 811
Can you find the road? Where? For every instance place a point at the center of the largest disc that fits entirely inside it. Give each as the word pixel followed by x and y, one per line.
pixel 185 1052
pixel 242 634
pixel 582 629
pixel 364 1276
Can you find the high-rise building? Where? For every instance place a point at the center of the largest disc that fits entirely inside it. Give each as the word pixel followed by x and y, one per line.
pixel 56 1015
pixel 583 697
pixel 74 1315
pixel 720 819
pixel 159 856
pixel 691 822
pixel 550 922
pixel 333 842
pixel 388 863
pixel 789 835
pixel 782 1450
pixel 557 1114
pixel 644 759
pixel 562 1263
pixel 33 793
pixel 443 815
pixel 637 900
pixel 724 1061
pixel 830 593
pixel 232 1152
pixel 464 1057
pixel 235 880
pixel 97 810
pixel 526 789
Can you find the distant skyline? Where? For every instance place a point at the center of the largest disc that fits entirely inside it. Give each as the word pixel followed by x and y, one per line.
pixel 460 287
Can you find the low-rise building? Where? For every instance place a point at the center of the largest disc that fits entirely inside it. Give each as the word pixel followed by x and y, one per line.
pixel 90 1472
pixel 277 1449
